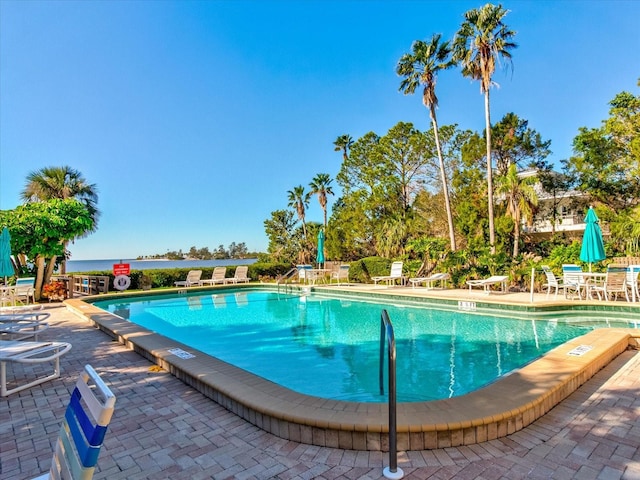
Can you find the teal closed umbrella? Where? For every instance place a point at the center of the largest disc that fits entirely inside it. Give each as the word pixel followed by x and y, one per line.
pixel 6 267
pixel 592 245
pixel 320 256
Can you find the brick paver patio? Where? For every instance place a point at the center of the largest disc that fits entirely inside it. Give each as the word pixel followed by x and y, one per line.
pixel 163 429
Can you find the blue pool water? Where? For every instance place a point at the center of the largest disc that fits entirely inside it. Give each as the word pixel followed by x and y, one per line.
pixel 329 347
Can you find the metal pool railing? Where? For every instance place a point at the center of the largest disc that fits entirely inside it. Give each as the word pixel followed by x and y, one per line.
pixel 386 332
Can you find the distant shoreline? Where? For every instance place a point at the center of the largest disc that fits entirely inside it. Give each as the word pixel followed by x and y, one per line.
pixel 151 263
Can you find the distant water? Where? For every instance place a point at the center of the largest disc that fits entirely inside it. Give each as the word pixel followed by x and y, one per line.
pixel 74 266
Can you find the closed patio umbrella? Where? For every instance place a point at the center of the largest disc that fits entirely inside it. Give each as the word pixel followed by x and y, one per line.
pixel 592 245
pixel 6 267
pixel 320 256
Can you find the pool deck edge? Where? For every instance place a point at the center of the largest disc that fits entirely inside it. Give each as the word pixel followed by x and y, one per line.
pixel 500 409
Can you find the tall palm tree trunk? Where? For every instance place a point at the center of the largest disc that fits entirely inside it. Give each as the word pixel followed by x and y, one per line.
pixel 492 235
pixel 443 175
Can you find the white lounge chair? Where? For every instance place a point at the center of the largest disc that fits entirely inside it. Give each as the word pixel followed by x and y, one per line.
pixel 18 326
pixel 16 351
pixel 218 276
pixel 84 426
pixel 394 274
pixel 193 278
pixel 431 280
pixel 240 275
pixel 486 283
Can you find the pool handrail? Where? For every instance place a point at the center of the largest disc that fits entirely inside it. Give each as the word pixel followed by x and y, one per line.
pixel 386 331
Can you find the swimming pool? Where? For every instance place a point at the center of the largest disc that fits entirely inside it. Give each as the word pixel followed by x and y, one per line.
pixel 329 347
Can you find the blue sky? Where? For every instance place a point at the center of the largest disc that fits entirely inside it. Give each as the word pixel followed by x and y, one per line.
pixel 194 118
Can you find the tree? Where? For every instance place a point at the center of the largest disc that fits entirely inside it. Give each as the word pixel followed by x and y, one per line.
pixel 420 68
pixel 221 253
pixel 556 185
pixel 343 143
pixel 626 231
pixel 482 39
pixel 351 234
pixel 404 156
pixel 361 170
pixel 238 250
pixel 280 230
pixel 40 231
pixel 383 177
pixel 606 161
pixel 299 201
pixel 62 183
pixel 321 186
pixel 354 214
pixel 520 196
pixel 512 141
pixel 469 186
pixel 432 250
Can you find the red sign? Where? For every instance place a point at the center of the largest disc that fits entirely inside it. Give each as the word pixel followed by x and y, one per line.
pixel 121 269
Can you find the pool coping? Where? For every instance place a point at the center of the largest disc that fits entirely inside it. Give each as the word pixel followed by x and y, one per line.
pixel 495 411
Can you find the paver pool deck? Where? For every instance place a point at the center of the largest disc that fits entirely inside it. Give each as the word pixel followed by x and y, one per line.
pixel 162 428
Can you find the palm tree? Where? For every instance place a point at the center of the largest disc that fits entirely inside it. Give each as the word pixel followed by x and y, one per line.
pixel 62 183
pixel 343 143
pixel 299 201
pixel 478 46
pixel 520 195
pixel 321 185
pixel 420 67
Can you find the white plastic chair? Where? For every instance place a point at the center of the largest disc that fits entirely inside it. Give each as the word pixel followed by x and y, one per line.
pixel 614 283
pixel 572 275
pixel 553 283
pixel 633 272
pixel 341 274
pixel 25 288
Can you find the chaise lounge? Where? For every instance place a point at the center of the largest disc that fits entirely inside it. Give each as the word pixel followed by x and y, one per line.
pixel 18 326
pixel 431 280
pixel 394 274
pixel 486 283
pixel 193 278
pixel 16 351
pixel 239 276
pixel 217 277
